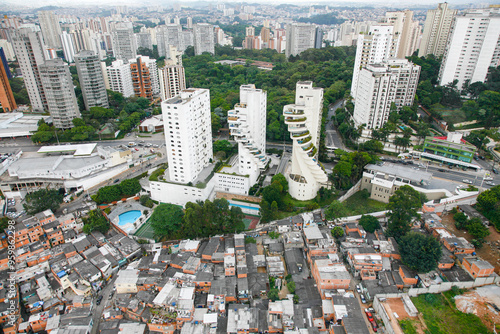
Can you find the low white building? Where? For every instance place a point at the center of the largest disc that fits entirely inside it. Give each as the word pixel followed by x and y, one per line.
pixel 115 156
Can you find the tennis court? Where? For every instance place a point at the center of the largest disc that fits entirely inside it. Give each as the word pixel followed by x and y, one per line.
pixel 250 222
pixel 145 231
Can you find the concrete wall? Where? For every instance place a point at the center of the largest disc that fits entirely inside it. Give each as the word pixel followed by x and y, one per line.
pixel 352 191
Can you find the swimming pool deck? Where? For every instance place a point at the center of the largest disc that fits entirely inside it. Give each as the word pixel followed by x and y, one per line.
pixel 130 228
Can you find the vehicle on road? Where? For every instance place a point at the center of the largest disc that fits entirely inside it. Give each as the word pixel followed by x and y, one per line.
pixel 442 170
pixel 374 325
pixel 358 289
pixel 489 183
pixel 99 300
pixel 488 178
pixel 116 181
pixel 363 300
pixel 369 315
pixel 494 170
pixel 467 181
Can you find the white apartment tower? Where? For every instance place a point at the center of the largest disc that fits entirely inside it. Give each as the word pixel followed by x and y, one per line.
pixel 169 35
pixel 91 80
pixel 407 29
pixel 68 47
pixel 376 46
pixel 172 75
pixel 58 87
pixel 120 78
pixel 379 85
pixel 247 123
pixel 299 37
pixel 436 30
pixel 473 47
pixel 204 38
pixel 30 52
pixel 304 124
pixel 188 134
pixel 124 41
pixel 49 23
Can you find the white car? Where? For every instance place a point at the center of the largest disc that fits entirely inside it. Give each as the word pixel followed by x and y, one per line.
pixel 489 183
pixel 467 181
pixel 489 178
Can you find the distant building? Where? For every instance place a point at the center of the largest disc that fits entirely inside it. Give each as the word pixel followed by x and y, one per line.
pixel 203 38
pixel 299 37
pixel 451 150
pixel 91 80
pixel 407 29
pixel 436 30
pixel 124 42
pixel 7 101
pixel 169 35
pixel 472 47
pixel 380 85
pixel 49 23
pixel 172 76
pixel 68 47
pixel 58 87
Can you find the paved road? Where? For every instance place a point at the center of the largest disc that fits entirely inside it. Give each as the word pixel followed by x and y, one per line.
pixel 98 309
pixel 333 139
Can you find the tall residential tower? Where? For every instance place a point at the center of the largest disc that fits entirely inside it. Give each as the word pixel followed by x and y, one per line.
pixel 436 30
pixel 204 38
pixel 304 124
pixel 91 80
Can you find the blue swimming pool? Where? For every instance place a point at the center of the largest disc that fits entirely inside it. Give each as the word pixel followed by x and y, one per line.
pixel 128 217
pixel 244 207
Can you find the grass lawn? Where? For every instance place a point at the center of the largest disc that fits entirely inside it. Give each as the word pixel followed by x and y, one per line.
pixel 442 317
pixel 303 204
pixel 358 204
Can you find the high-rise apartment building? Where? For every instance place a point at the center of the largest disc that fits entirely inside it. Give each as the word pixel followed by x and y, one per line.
pixel 188 134
pixel 436 30
pixel 380 85
pixel 299 37
pixel 30 52
pixel 247 123
pixel 49 23
pixel 203 38
pixel 169 35
pixel 304 124
pixel 145 81
pixel 68 46
pixel 376 46
pixel 91 79
pixel 473 47
pixel 7 101
pixel 407 29
pixel 124 42
pixel 119 78
pixel 172 76
pixel 58 87
pixel 144 39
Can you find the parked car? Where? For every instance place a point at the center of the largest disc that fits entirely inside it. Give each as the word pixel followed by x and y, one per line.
pixel 374 325
pixel 99 300
pixel 363 300
pixel 467 181
pixel 489 183
pixel 358 289
pixel 494 170
pixel 369 315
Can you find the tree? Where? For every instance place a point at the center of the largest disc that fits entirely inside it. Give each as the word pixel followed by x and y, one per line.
pixel 95 221
pixel 273 294
pixel 476 228
pixel 402 208
pixel 337 232
pixel 335 211
pixel 43 199
pixel 222 146
pixel 419 252
pixel 146 201
pixel 291 286
pixel 166 220
pixel 369 223
pixel 273 235
pixel 460 220
pixel 130 187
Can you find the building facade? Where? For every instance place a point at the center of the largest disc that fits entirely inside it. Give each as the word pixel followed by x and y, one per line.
pixel 68 46
pixel 473 47
pixel 204 38
pixel 30 52
pixel 119 78
pixel 380 85
pixel 172 76
pixel 436 30
pixel 169 35
pixel 49 23
pixel 407 29
pixel 124 42
pixel 188 134
pixel 58 87
pixel 144 74
pixel 376 46
pixel 7 101
pixel 247 123
pixel 304 124
pixel 91 80
pixel 451 149
pixel 299 37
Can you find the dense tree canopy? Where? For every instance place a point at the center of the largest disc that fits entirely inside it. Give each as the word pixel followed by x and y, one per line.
pixel 488 203
pixel 403 206
pixel 335 211
pixel 108 194
pixel 95 221
pixel 420 252
pixel 166 220
pixel 369 223
pixel 43 199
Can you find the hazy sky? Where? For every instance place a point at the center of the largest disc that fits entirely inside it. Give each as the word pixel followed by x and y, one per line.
pixel 389 3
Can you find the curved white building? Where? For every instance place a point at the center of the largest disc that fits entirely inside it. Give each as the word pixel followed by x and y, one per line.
pixel 304 124
pixel 247 123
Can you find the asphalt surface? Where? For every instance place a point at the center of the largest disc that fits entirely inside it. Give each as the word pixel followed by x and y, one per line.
pixel 98 309
pixel 333 139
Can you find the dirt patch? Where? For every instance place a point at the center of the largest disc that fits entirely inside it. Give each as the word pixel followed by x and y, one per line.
pixel 491 249
pixel 480 305
pixel 397 305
